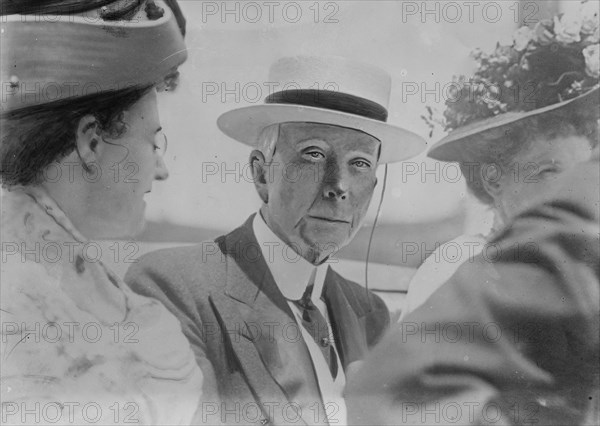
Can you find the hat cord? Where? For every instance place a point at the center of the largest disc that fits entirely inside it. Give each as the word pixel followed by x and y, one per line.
pixel 372 233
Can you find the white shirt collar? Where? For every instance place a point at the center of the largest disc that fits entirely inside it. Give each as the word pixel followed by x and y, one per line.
pixel 290 270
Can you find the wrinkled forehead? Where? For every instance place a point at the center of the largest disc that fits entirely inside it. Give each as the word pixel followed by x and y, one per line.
pixel 341 138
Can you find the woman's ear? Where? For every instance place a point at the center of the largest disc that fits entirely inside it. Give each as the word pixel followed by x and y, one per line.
pixel 491 175
pixel 259 174
pixel 87 139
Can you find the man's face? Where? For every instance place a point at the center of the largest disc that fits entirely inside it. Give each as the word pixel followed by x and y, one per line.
pixel 319 186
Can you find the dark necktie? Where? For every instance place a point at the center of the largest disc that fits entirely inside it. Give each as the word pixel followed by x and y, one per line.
pixel 316 325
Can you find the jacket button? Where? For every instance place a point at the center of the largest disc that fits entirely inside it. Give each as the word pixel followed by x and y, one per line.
pixel 79 264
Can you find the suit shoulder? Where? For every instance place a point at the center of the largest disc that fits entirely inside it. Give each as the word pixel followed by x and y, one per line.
pixel 359 295
pixel 202 263
pixel 202 254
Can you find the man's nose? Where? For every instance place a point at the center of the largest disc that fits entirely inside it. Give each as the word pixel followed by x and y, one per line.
pixel 336 182
pixel 335 193
pixel 161 173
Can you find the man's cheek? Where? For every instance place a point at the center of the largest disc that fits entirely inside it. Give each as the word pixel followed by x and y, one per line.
pixel 362 197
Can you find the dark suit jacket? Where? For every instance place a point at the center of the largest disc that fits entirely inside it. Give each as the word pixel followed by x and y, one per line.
pixel 512 338
pixel 243 332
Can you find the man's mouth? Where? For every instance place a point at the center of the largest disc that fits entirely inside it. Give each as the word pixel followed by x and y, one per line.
pixel 329 219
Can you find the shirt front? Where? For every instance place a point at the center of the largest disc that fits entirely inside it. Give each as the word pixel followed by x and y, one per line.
pixel 292 274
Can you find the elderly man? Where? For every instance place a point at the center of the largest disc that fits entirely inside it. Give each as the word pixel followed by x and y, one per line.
pixel 264 312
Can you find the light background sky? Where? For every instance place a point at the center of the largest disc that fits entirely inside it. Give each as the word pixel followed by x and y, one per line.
pixel 388 34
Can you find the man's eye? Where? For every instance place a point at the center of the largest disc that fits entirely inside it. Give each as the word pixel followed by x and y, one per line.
pixel 315 155
pixel 361 164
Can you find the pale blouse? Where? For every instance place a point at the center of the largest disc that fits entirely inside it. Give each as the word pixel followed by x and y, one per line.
pixel 439 267
pixel 78 346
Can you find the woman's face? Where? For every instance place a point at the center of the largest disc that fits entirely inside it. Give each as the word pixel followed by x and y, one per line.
pixel 127 169
pixel 531 176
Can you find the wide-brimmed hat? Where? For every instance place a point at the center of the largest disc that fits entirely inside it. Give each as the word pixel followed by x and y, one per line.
pixel 53 57
pixel 551 68
pixel 451 147
pixel 327 90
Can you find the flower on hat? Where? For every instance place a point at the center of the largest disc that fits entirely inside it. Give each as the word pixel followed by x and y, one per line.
pixel 544 32
pixel 589 14
pixel 567 28
pixel 522 37
pixel 593 38
pixel 555 61
pixel 592 60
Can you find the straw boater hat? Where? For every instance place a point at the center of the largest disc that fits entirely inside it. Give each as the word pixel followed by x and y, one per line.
pixel 120 44
pixel 546 69
pixel 329 90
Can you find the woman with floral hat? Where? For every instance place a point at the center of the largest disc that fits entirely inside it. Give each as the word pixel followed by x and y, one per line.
pixel 81 145
pixel 528 114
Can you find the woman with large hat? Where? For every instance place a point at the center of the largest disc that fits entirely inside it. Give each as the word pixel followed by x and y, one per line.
pixel 529 113
pixel 81 145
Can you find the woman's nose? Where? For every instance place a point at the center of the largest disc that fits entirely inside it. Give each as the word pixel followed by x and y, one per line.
pixel 162 173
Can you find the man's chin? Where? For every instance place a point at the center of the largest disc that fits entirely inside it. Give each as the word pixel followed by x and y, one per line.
pixel 322 248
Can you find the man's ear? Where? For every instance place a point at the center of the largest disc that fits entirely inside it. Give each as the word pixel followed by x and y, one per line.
pixel 87 139
pixel 491 174
pixel 259 174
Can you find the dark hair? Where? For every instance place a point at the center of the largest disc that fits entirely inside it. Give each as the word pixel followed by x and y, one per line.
pixel 34 137
pixel 501 147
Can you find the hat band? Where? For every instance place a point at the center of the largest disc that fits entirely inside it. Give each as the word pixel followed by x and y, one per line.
pixel 331 100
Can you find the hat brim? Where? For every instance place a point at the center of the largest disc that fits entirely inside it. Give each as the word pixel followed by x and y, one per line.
pixel 450 148
pixel 245 125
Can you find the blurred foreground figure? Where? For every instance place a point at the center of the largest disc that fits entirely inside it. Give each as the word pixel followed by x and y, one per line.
pixel 79 113
pixel 528 114
pixel 513 340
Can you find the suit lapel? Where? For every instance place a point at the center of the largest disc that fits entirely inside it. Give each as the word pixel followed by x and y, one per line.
pixel 244 354
pixel 266 339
